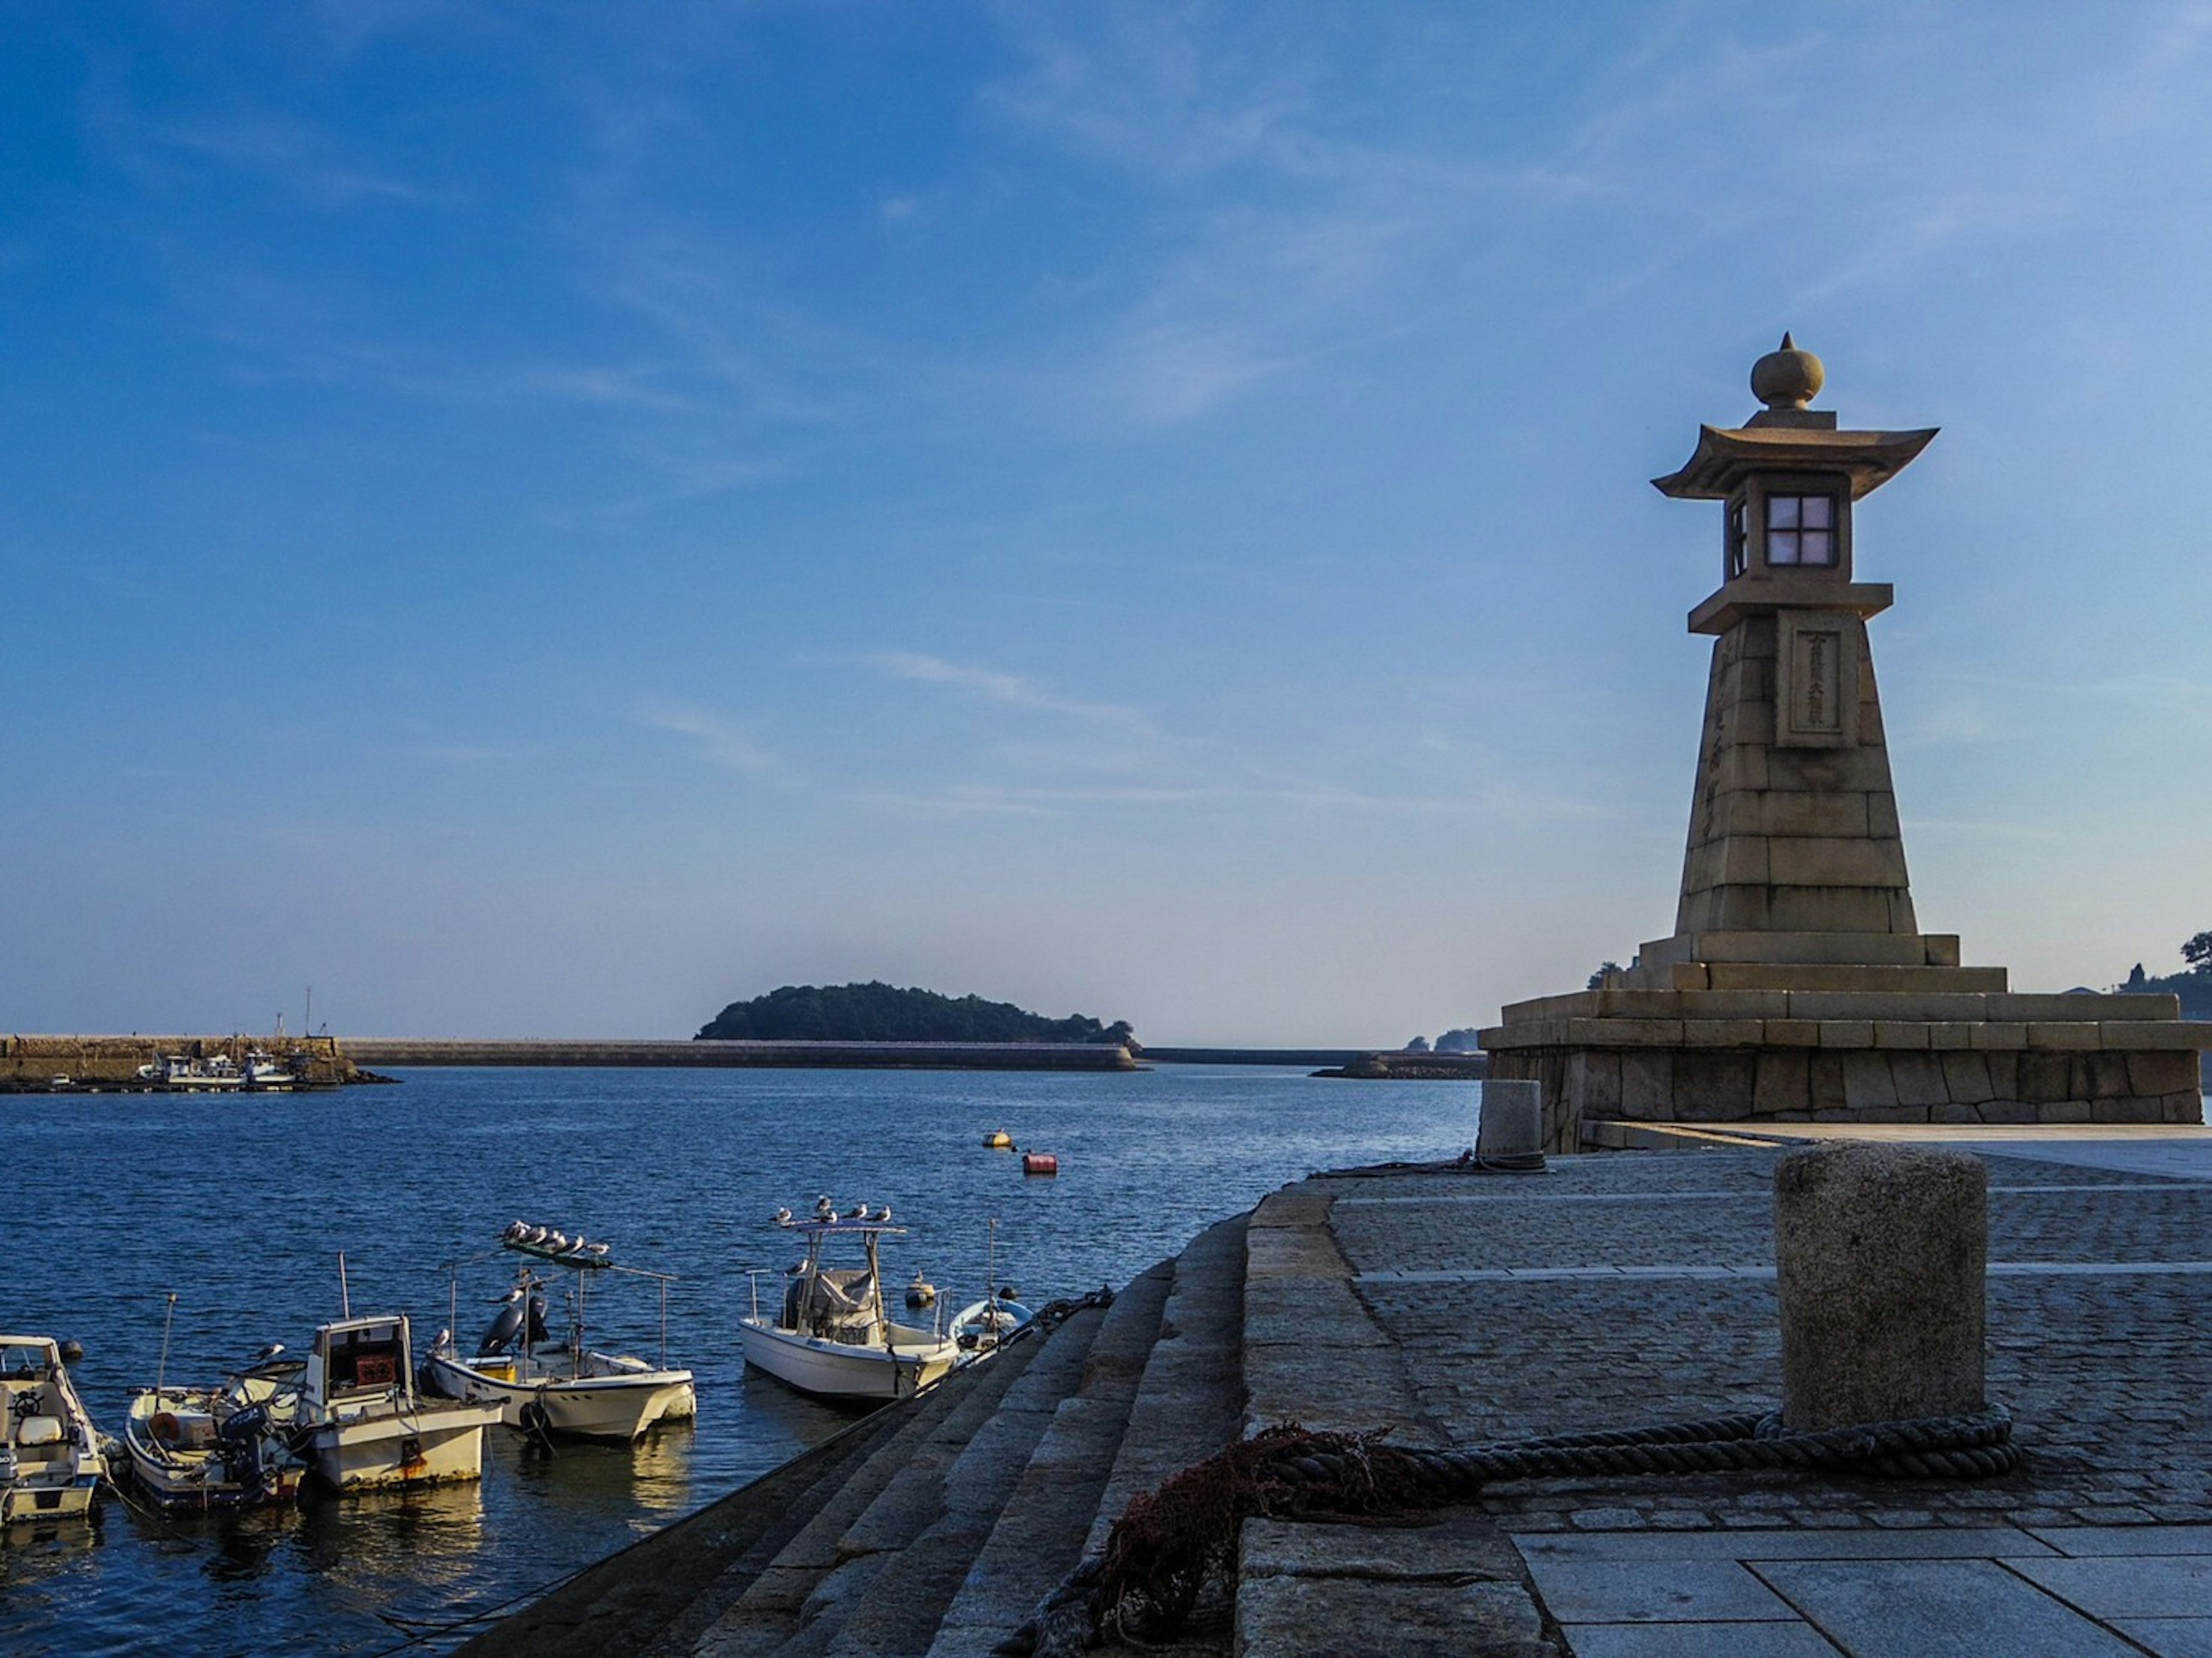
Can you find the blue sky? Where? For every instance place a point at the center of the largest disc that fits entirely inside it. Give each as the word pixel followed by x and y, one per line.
pixel 542 520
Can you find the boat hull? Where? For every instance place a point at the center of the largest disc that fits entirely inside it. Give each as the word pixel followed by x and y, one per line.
pixel 433 1443
pixel 51 1464
pixel 622 1406
pixel 190 1473
pixel 839 1370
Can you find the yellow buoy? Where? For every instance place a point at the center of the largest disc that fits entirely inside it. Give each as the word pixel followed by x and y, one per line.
pixel 998 1140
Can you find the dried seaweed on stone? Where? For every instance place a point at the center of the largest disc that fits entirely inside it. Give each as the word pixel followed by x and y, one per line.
pixel 1168 1542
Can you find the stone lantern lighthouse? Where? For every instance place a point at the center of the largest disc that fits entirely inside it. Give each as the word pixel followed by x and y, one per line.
pixel 1797 985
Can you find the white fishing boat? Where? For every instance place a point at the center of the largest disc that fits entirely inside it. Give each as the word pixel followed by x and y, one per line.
pixel 51 1464
pixel 225 1447
pixel 830 1336
pixel 573 1387
pixel 218 1074
pixel 362 1423
pixel 265 1073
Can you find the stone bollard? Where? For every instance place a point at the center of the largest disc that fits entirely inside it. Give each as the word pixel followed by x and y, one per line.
pixel 1512 1120
pixel 1880 1252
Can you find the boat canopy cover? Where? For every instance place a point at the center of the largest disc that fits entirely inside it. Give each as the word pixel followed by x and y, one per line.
pixel 833 1298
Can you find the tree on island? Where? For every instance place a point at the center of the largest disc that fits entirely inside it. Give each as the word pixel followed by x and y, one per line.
pixel 878 1012
pixel 2193 985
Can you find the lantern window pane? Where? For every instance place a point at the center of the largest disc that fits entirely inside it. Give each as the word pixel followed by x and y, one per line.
pixel 1818 546
pixel 1782 547
pixel 1816 511
pixel 1781 512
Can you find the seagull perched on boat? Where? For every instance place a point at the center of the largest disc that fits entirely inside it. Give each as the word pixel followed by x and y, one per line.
pixel 598 1249
pixel 514 1231
pixel 574 1245
pixel 824 1209
pixel 858 1211
pixel 511 1296
pixel 881 1216
pixel 533 1237
pixel 557 1242
pixel 781 1218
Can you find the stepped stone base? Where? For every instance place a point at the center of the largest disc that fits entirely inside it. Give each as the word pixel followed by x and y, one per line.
pixel 1729 1027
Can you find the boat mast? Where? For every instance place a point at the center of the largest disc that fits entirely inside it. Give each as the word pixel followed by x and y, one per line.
pixel 162 1373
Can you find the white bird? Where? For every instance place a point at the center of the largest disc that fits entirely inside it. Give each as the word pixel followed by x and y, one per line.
pixel 508 1299
pixel 782 1218
pixel 534 1236
pixel 599 1249
pixel 858 1211
pixel 824 1208
pixel 574 1245
pixel 556 1242
pixel 515 1228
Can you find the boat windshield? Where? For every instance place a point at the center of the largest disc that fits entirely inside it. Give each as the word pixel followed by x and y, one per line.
pixel 373 1355
pixel 25 1358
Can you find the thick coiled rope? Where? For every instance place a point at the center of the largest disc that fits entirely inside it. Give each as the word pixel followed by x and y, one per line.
pixel 1168 1542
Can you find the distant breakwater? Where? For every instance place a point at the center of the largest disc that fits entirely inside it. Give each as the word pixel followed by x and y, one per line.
pixel 898 1056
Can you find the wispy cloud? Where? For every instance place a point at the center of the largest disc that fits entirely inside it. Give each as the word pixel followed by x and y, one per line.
pixel 719 740
pixel 1009 688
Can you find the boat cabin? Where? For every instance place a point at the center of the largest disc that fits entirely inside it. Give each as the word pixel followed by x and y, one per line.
pixel 359 1357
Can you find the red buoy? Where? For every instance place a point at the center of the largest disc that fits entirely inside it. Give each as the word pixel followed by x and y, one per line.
pixel 1040 1163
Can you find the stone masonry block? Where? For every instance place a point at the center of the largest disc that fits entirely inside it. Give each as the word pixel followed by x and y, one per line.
pixel 1954 1114
pixel 2187 1106
pixel 1782 1081
pixel 2064 1111
pixel 1793 1033
pixel 2047 1034
pixel 1900 1032
pixel 1943 949
pixel 1999 1034
pixel 2007 1111
pixel 2004 1072
pixel 1859 770
pixel 2143 1034
pixel 1600 1081
pixel 2044 1076
pixel 1847 1033
pixel 2160 1073
pixel 2099 1076
pixel 1920 1079
pixel 1713 1087
pixel 1956 1034
pixel 1825 861
pixel 1881 816
pixel 1869 1083
pixel 1723 1033
pixel 1828 909
pixel 1966 1076
pixel 2127 1107
pixel 1919 1006
pixel 1825 1073
pixel 2069 1009
pixel 1647 1086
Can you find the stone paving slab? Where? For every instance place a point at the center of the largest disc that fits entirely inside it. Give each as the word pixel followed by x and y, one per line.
pixel 1583 1591
pixel 2127 1586
pixel 1631 1547
pixel 1698 1641
pixel 1936 1609
pixel 2171 1637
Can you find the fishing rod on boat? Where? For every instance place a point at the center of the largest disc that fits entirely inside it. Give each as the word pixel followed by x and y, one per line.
pixel 345 1295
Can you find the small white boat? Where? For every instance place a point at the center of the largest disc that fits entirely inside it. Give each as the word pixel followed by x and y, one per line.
pixel 831 1336
pixel 51 1464
pixel 576 1388
pixel 265 1073
pixel 361 1424
pixel 227 1447
pixel 219 1073
pixel 986 1325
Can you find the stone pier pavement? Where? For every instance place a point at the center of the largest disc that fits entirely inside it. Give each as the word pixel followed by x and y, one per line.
pixel 1613 1291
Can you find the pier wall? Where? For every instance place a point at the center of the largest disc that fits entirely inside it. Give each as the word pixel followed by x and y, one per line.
pixel 32 1062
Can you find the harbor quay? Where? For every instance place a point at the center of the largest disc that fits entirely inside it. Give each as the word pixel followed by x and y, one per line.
pixel 1448 1305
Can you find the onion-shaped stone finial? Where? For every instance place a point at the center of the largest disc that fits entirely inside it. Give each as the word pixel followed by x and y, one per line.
pixel 1788 377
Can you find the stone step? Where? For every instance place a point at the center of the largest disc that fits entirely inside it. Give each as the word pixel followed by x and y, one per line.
pixel 1190 1402
pixel 647 1590
pixel 1049 1514
pixel 766 1611
pixel 894 1597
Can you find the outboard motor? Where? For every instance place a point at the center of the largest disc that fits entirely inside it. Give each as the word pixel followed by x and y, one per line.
pixel 239 1440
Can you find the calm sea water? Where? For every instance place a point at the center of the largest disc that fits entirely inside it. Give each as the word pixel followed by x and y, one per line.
pixel 241 1206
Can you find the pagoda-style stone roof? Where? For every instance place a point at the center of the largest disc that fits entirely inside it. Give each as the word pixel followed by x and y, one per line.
pixel 1726 455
